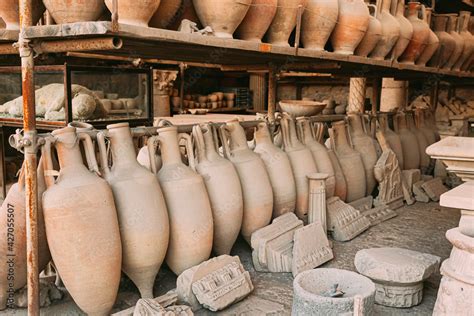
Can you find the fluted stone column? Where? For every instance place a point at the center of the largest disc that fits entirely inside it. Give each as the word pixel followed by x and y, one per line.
pixel 357 95
pixel 258 86
pixel 317 199
pixel 163 81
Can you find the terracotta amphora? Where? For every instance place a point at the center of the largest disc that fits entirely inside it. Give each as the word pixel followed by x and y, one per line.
pixel 189 208
pixel 430 123
pixel 223 16
pixel 341 186
pixel 141 208
pixel 447 42
pixel 422 142
pixel 392 138
pixel 364 144
pixel 350 161
pixel 464 17
pixel 319 152
pixel 430 135
pixel 433 42
pixel 223 187
pixel 302 163
pixel 284 21
pixel 406 29
pixel 75 10
pixel 372 36
pixel 135 12
pixel 453 30
pixel 256 186
pixel 279 170
pixel 352 23
pixel 467 65
pixel 257 21
pixel 410 147
pixel 390 31
pixel 81 224
pixel 319 19
pixel 13 238
pixel 421 34
pixel 166 13
pixel 9 13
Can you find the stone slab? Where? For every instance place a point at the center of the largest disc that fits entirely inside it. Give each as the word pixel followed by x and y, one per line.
pixel 426 177
pixel 165 301
pixel 434 188
pixel 363 204
pixel 411 177
pixel 150 307
pixel 379 214
pixel 344 221
pixel 420 194
pixel 461 197
pixel 254 305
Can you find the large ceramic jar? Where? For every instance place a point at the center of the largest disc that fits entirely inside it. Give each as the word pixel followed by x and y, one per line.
pixel 82 226
pixel 392 138
pixel 320 154
pixel 433 43
pixel 284 21
pixel 136 12
pixel 467 65
pixel 468 51
pixel 364 144
pixel 12 240
pixel 75 10
pixel 410 147
pixel 223 16
pixel 9 13
pixel 189 208
pixel 319 19
pixel 422 143
pixel 223 187
pixel 372 36
pixel 352 23
pixel 421 34
pixel 350 161
pixel 390 31
pixel 341 184
pixel 166 13
pixel 257 21
pixel 447 42
pixel 279 170
pixel 430 135
pixel 141 208
pixel 453 31
pixel 256 185
pixel 406 30
pixel 302 163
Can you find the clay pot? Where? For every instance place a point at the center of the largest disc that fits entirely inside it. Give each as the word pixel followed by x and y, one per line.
pixel 302 163
pixel 166 13
pixel 141 208
pixel 468 51
pixel 372 36
pixel 422 143
pixel 319 152
pixel 81 225
pixel 352 23
pixel 453 31
pixel 392 138
pixel 256 185
pixel 406 30
pixel 433 43
pixel 13 221
pixel 430 135
pixel 447 42
pixel 222 16
pixel 279 170
pixel 421 34
pixel 74 11
pixel 467 65
pixel 350 160
pixel 364 144
pixel 390 31
pixel 318 21
pixel 9 13
pixel 341 185
pixel 284 21
pixel 410 147
pixel 189 208
pixel 136 12
pixel 257 21
pixel 223 187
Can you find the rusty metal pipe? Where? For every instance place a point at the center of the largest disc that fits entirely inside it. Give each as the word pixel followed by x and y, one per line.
pixel 272 82
pixel 78 45
pixel 8 49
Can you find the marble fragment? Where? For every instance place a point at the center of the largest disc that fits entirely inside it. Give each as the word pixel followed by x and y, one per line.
pixel 420 194
pixel 434 188
pixel 344 221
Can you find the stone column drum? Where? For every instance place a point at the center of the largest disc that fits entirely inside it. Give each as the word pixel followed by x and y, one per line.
pixel 317 199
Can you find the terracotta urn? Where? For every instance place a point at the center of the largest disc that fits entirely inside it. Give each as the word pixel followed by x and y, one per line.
pixel 421 34
pixel 372 36
pixel 453 30
pixel 430 135
pixel 390 31
pixel 136 12
pixel 9 13
pixel 341 185
pixel 223 187
pixel 422 142
pixel 222 16
pixel 352 23
pixel 189 208
pixel 284 21
pixel 464 17
pixel 141 208
pixel 467 65
pixel 433 43
pixel 166 13
pixel 319 19
pixel 350 160
pixel 256 186
pixel 447 42
pixel 406 29
pixel 392 138
pixel 410 147
pixel 84 242
pixel 74 11
pixel 257 21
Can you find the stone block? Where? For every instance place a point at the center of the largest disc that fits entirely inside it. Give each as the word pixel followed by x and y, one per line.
pixel 389 176
pixel 411 177
pixel 379 214
pixel 363 204
pixel 434 188
pixel 344 221
pixel 254 305
pixel 150 307
pixel 166 301
pixel 420 194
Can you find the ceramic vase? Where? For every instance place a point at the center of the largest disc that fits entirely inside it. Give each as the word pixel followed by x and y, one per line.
pixel 341 185
pixel 422 143
pixel 9 13
pixel 406 29
pixel 319 19
pixel 467 65
pixel 257 21
pixel 459 40
pixel 390 31
pixel 421 34
pixel 74 11
pixel 392 138
pixel 430 135
pixel 410 147
pixel 166 13
pixel 464 17
pixel 284 21
pixel 447 42
pixel 372 36
pixel 433 43
pixel 136 12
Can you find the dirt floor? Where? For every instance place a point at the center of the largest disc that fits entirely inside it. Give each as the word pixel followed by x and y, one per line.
pixel 419 227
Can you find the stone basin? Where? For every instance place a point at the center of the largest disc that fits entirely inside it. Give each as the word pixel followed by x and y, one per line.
pixel 297 108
